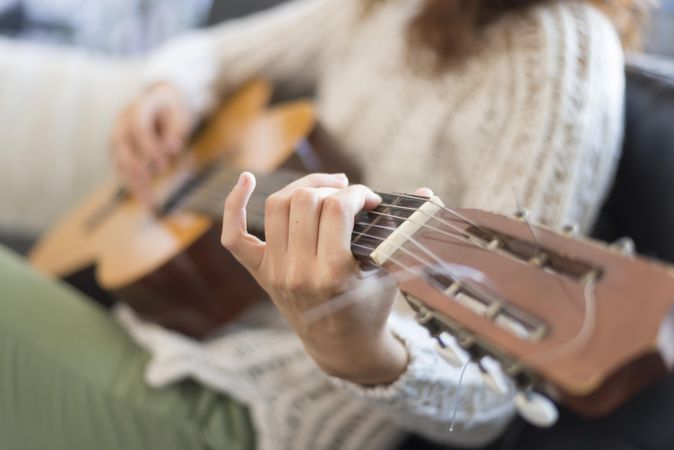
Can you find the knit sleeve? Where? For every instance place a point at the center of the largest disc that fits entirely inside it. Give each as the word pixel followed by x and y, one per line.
pixel 560 149
pixel 556 158
pixel 436 400
pixel 283 44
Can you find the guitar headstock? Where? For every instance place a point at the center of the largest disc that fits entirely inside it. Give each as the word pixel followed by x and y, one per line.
pixel 585 323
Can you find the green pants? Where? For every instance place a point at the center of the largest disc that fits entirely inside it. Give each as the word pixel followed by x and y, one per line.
pixel 70 379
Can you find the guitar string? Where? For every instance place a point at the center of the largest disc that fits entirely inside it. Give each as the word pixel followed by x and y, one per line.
pixel 590 300
pixel 574 344
pixel 589 313
pixel 430 227
pixel 457 236
pixel 424 249
pixel 439 263
pixel 459 232
pixel 451 211
pixel 212 191
pixel 580 340
pixel 458 396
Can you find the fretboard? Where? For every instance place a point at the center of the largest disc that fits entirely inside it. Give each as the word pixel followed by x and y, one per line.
pixel 208 196
pixel 371 228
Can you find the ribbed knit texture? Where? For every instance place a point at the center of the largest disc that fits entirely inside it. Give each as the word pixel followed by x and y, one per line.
pixel 532 120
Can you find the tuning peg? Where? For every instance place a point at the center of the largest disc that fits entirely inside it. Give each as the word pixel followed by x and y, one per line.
pixel 521 214
pixel 571 229
pixel 536 409
pixel 491 376
pixel 448 353
pixel 424 315
pixel 625 246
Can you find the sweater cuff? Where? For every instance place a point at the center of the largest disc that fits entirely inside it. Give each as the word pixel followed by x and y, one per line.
pixel 189 64
pixel 423 359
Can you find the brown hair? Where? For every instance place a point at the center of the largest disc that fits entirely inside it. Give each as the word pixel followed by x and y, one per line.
pixel 451 28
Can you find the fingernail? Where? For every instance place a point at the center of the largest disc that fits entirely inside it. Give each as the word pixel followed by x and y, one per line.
pixel 242 180
pixel 341 175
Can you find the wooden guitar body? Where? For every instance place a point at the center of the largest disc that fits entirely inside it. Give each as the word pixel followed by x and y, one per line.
pixel 170 268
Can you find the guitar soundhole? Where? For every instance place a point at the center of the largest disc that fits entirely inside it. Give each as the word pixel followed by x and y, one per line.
pixel 531 253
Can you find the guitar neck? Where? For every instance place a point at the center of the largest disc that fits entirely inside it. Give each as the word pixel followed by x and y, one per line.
pixel 371 228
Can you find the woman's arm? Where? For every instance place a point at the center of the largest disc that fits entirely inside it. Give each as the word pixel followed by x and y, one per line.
pixel 283 44
pixel 184 79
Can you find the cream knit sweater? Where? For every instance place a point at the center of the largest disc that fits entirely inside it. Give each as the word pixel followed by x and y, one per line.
pixel 534 118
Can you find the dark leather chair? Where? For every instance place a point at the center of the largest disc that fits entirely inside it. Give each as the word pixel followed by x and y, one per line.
pixel 641 203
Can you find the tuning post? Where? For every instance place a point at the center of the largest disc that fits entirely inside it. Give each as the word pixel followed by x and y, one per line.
pixel 624 246
pixel 590 277
pixel 540 260
pixel 522 215
pixel 494 244
pixel 466 341
pixel 493 310
pixel 424 316
pixel 453 289
pixel 536 408
pixel 571 229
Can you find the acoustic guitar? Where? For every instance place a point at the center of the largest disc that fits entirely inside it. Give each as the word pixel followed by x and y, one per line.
pixel 568 319
pixel 170 267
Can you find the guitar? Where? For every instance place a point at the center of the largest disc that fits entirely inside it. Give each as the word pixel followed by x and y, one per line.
pixel 577 321
pixel 170 267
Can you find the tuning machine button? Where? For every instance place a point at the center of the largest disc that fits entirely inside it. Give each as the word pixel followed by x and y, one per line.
pixel 448 353
pixel 536 409
pixel 624 246
pixel 492 377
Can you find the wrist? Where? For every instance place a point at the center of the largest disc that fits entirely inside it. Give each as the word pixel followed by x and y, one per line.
pixel 375 361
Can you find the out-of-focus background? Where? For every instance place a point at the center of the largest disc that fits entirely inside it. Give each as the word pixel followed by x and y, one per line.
pixel 97 46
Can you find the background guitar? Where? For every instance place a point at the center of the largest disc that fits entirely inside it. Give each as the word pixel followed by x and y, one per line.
pixel 171 268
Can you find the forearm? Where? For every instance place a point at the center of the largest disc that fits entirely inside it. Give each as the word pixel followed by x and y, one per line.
pixel 282 44
pixel 426 399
